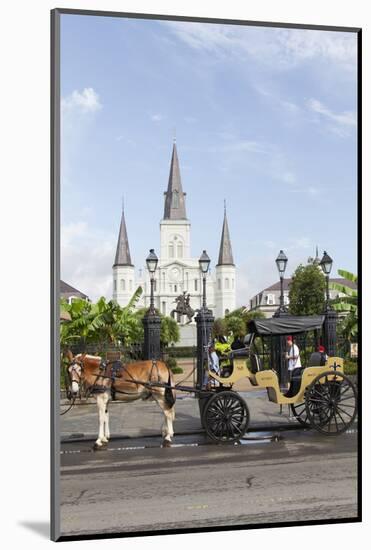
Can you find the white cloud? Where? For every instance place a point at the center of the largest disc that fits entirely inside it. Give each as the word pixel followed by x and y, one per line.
pixel 86 259
pixel 157 117
pixel 346 118
pixel 86 101
pixel 281 49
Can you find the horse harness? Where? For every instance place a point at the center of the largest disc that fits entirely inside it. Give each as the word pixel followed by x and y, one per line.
pixel 111 370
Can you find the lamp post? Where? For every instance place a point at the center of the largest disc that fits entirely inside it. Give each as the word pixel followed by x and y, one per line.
pixel 152 321
pixel 204 263
pixel 152 262
pixel 279 343
pixel 204 321
pixel 281 262
pixel 329 326
pixel 326 266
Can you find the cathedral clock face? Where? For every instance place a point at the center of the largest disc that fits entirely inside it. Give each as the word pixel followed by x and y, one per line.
pixel 175 274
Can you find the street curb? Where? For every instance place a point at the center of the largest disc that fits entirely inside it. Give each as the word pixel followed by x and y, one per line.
pixel 255 428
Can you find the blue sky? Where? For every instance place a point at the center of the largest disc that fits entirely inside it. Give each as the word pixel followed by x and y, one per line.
pixel 265 118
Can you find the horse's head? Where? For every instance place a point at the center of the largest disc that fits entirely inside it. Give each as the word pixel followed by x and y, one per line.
pixel 75 371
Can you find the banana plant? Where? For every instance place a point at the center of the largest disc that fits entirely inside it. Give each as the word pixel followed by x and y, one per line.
pixel 348 303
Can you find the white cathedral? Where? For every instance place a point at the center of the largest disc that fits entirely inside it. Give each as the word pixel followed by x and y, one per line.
pixel 177 271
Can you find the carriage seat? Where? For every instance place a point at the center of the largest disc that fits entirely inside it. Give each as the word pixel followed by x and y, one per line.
pixel 317 359
pixel 242 352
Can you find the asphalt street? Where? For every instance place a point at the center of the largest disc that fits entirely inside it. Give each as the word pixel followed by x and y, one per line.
pixel 137 485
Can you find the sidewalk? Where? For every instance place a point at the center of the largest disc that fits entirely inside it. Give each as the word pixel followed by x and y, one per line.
pixel 144 418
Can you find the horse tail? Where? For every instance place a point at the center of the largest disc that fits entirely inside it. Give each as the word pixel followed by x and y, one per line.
pixel 169 393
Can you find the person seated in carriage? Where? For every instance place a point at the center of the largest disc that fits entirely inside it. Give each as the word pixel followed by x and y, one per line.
pixel 213 366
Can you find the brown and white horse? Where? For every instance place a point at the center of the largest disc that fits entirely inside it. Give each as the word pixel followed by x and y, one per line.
pixel 138 380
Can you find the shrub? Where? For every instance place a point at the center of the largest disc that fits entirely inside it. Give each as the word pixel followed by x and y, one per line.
pixel 173 366
pixel 350 367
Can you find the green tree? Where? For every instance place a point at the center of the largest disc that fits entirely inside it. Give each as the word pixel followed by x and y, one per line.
pixel 236 321
pixel 236 325
pixel 219 328
pixel 348 303
pixel 307 291
pixel 169 327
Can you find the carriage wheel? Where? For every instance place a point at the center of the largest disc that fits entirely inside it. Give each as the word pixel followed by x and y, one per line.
pixel 300 413
pixel 331 403
pixel 226 417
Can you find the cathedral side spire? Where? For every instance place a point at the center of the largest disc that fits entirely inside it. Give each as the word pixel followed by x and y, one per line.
pixel 225 250
pixel 122 257
pixel 174 196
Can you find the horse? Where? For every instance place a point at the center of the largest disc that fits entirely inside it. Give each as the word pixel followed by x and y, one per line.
pixel 130 382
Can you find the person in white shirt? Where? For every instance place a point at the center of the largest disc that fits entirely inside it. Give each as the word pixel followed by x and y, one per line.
pixel 292 355
pixel 213 364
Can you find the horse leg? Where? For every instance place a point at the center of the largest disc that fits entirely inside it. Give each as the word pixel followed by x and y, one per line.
pixel 101 404
pixel 106 419
pixel 169 417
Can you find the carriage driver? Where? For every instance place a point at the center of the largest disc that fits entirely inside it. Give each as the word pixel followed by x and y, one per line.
pixel 292 355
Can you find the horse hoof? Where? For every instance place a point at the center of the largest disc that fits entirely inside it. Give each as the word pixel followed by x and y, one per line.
pixel 166 443
pixel 104 443
pixel 99 447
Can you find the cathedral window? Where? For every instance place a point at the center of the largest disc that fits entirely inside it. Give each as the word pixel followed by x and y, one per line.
pixel 180 250
pixel 196 285
pixel 163 308
pixel 175 288
pixel 114 285
pixel 232 283
pixel 122 282
pixel 131 284
pixel 175 199
pixel 226 283
pixel 219 284
pixel 171 250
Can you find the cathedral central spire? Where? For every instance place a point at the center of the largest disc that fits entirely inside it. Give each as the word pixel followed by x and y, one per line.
pixel 174 196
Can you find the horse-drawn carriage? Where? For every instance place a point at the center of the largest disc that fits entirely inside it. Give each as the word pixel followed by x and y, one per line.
pixel 321 396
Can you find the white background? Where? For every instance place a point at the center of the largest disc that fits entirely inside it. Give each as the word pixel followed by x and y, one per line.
pixel 24 315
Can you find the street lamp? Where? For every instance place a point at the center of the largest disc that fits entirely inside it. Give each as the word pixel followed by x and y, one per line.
pixel 204 321
pixel 204 263
pixel 152 262
pixel 281 262
pixel 278 342
pixel 326 266
pixel 151 321
pixel 329 326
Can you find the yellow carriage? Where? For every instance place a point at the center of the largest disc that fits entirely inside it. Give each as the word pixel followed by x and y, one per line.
pixel 321 396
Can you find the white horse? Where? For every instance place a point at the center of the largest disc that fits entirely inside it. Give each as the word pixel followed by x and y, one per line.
pixel 138 380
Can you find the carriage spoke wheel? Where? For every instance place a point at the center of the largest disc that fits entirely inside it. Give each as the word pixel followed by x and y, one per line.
pixel 331 403
pixel 300 413
pixel 226 417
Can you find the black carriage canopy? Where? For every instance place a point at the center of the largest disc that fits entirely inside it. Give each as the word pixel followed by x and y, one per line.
pixel 289 324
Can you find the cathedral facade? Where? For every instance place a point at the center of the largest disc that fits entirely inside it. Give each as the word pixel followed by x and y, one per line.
pixel 177 271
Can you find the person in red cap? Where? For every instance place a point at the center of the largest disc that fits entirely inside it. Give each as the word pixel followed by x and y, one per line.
pixel 324 356
pixel 292 355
